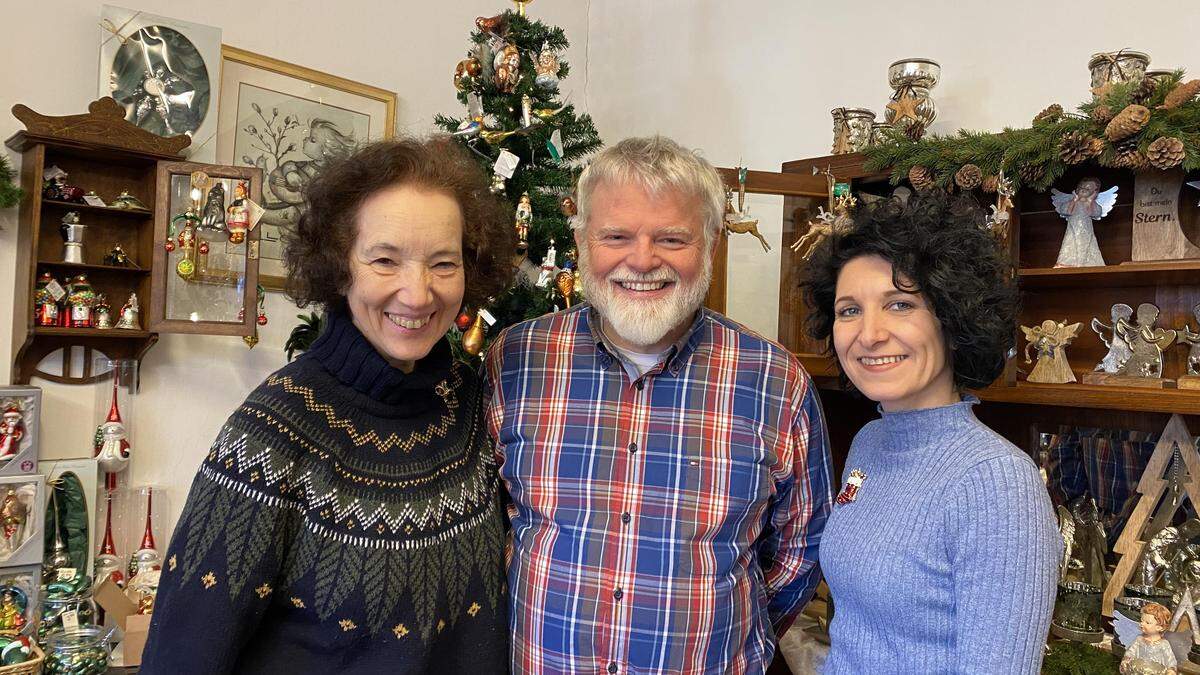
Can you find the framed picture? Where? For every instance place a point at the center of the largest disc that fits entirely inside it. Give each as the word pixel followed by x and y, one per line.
pixel 20 419
pixel 290 121
pixel 166 73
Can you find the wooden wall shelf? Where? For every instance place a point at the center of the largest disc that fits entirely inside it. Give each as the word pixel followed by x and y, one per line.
pixel 1125 275
pixel 107 333
pixel 89 269
pixel 88 208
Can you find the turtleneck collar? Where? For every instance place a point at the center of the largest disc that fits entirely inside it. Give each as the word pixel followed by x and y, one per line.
pixel 345 352
pixel 909 429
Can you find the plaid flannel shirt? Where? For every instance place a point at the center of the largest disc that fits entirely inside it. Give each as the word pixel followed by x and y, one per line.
pixel 663 523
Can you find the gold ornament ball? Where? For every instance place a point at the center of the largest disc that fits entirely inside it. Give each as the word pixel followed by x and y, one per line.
pixel 473 339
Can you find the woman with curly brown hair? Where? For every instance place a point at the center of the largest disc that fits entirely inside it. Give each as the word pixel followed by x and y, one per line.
pixel 941 551
pixel 347 518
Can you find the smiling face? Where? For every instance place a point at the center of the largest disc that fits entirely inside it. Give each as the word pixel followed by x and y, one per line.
pixel 888 341
pixel 406 270
pixel 645 265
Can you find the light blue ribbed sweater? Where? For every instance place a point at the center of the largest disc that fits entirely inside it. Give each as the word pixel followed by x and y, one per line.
pixel 946 562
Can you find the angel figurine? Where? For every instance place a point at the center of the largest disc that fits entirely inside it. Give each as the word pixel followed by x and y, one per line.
pixel 1187 337
pixel 1153 651
pixel 1080 208
pixel 1051 338
pixel 1147 343
pixel 1117 341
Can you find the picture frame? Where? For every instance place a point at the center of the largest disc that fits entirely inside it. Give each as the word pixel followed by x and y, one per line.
pixel 165 72
pixel 288 120
pixel 21 433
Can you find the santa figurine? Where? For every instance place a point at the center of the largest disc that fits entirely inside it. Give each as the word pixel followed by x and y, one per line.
pixel 108 564
pixel 110 444
pixel 12 430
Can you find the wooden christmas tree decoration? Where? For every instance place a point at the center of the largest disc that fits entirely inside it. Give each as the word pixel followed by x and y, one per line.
pixel 1148 516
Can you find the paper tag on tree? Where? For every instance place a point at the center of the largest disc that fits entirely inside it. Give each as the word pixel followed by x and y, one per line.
pixel 70 619
pixel 487 316
pixel 93 200
pixel 474 105
pixel 56 290
pixel 51 172
pixel 555 144
pixel 506 164
pixel 66 574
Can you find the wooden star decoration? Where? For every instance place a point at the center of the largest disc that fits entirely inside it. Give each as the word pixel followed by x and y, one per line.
pixel 905 107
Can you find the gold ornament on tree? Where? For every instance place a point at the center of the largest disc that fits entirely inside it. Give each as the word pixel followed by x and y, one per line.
pixel 564 281
pixel 969 177
pixel 472 340
pixel 921 178
pixel 521 6
pixel 1079 146
pixel 1127 122
pixel 1165 153
pixel 1182 93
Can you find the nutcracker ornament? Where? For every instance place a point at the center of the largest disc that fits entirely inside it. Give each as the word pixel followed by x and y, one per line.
pixel 81 300
pixel 110 441
pixel 549 267
pixel 524 217
pixel 45 306
pixel 237 216
pixel 12 430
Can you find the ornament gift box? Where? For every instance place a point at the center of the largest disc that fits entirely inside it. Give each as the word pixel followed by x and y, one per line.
pixel 22 520
pixel 118 603
pixel 26 583
pixel 19 430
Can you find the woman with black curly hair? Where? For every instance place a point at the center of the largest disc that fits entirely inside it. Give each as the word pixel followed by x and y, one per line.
pixel 941 552
pixel 347 518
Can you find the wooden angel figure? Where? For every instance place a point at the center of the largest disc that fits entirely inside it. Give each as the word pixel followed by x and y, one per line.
pixel 1147 343
pixel 1187 337
pixel 1051 339
pixel 1117 340
pixel 1080 208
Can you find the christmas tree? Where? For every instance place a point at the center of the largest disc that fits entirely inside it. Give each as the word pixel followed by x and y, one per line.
pixel 509 82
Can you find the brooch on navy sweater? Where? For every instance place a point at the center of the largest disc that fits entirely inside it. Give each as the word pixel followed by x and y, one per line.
pixel 850 490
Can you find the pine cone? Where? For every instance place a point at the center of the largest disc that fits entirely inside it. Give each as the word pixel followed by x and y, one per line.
pixel 1145 90
pixel 991 184
pixel 1128 156
pixel 921 178
pixel 1165 153
pixel 1050 115
pixel 1102 114
pixel 969 177
pixel 1182 93
pixel 915 131
pixel 1127 122
pixel 1031 173
pixel 1079 146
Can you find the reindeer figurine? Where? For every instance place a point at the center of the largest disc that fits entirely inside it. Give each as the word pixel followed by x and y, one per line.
pixel 738 221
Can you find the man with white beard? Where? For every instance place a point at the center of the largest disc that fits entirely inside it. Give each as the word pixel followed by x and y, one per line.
pixel 668 467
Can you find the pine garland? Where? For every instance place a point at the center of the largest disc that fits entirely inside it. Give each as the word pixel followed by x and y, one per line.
pixel 10 194
pixel 1038 145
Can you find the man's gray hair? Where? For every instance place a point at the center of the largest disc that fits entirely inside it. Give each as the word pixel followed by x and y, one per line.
pixel 660 166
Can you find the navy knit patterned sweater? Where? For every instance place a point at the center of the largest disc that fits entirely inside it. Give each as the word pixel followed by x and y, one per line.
pixel 346 519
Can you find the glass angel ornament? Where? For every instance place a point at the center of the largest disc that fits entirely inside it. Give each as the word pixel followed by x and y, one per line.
pixel 1083 206
pixel 1051 339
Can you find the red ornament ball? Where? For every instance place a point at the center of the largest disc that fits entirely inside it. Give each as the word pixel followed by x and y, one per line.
pixel 169 245
pixel 204 248
pixel 463 321
pixel 262 319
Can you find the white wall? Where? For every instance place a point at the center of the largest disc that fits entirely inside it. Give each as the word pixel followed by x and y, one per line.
pixel 754 81
pixel 749 81
pixel 190 384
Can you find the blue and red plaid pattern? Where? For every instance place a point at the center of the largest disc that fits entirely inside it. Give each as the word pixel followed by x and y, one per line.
pixel 668 523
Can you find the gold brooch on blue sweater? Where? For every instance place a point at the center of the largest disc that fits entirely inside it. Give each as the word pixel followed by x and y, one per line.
pixel 850 489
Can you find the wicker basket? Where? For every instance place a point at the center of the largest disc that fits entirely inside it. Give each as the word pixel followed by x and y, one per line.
pixel 31 667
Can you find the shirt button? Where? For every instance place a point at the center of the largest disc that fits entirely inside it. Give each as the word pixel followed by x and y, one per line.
pixel 617 594
pixel 639 384
pixel 633 447
pixel 612 667
pixel 625 517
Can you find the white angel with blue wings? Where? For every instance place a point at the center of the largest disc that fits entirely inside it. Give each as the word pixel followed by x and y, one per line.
pixel 1080 208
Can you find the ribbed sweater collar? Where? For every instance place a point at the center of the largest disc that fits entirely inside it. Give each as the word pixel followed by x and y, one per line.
pixel 909 429
pixel 345 352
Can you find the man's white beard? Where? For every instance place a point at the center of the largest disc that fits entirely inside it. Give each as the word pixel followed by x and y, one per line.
pixel 644 322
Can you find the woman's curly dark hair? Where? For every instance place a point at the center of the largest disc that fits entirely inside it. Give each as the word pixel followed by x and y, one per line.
pixel 935 243
pixel 317 250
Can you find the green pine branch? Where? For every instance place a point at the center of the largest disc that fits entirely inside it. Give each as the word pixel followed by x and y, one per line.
pixel 10 194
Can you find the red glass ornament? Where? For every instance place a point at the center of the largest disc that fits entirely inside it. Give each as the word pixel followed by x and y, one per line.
pixel 204 248
pixel 463 321
pixel 169 245
pixel 262 319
